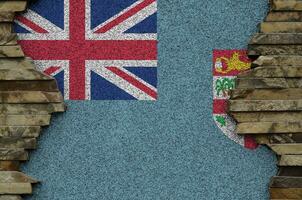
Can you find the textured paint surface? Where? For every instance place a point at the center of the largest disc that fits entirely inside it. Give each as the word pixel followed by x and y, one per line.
pixel 169 149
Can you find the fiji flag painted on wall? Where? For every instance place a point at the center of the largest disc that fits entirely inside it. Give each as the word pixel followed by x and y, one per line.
pixel 96 49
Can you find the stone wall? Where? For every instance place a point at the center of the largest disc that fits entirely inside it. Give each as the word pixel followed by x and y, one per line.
pixel 267 100
pixel 27 99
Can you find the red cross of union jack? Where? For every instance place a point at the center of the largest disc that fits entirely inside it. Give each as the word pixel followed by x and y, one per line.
pixel 106 57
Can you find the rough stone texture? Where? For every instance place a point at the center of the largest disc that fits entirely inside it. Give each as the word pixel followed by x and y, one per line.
pixel 267 94
pixel 15 188
pixel 283 149
pixel 10 39
pixel 264 105
pixel 22 74
pixel 40 109
pixel 24 143
pixel 6 28
pixel 17 63
pixel 267 100
pixel 13 154
pixel 11 51
pixel 276 38
pixel 27 100
pixel 267 116
pixel 272 83
pixel 47 86
pixel 284 17
pixel 7 16
pixel 25 120
pixel 290 160
pixel 288 138
pixel 286 5
pixel 281 27
pixel 19 131
pixel 286 182
pixel 12 6
pixel 15 177
pixel 10 197
pixel 290 171
pixel 269 127
pixel 285 193
pixel 278 60
pixel 30 97
pixel 268 139
pixel 9 165
pixel 274 72
pixel 257 50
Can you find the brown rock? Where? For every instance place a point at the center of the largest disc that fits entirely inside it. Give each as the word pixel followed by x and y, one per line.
pixel 47 86
pixel 278 138
pixel 15 177
pixel 257 50
pixel 11 51
pixel 262 139
pixel 24 143
pixel 277 39
pixel 10 39
pixel 9 166
pixel 31 109
pixel 13 154
pixel 22 74
pixel 278 60
pixel 6 28
pixel 267 94
pixel 20 131
pixel 293 16
pixel 273 72
pixel 285 193
pixel 13 6
pixel 285 138
pixel 290 171
pixel 264 105
pixel 250 83
pixel 24 120
pixel 10 197
pixel 267 116
pixel 15 188
pixel 269 127
pixel 281 27
pixel 290 160
pixel 286 182
pixel 282 149
pixel 16 63
pixel 30 97
pixel 286 5
pixel 7 16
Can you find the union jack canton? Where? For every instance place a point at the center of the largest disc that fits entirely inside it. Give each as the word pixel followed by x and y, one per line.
pixel 96 49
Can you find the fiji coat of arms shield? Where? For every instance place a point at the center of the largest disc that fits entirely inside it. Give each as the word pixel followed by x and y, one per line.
pixel 227 64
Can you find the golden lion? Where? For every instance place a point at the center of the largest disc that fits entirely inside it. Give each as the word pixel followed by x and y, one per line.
pixel 234 63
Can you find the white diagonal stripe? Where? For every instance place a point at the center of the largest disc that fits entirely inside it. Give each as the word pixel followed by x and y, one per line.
pixel 118 31
pixel 123 84
pixel 117 15
pixel 41 21
pixel 95 64
pixel 55 32
pixel 133 20
pixel 137 78
pixel 24 26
